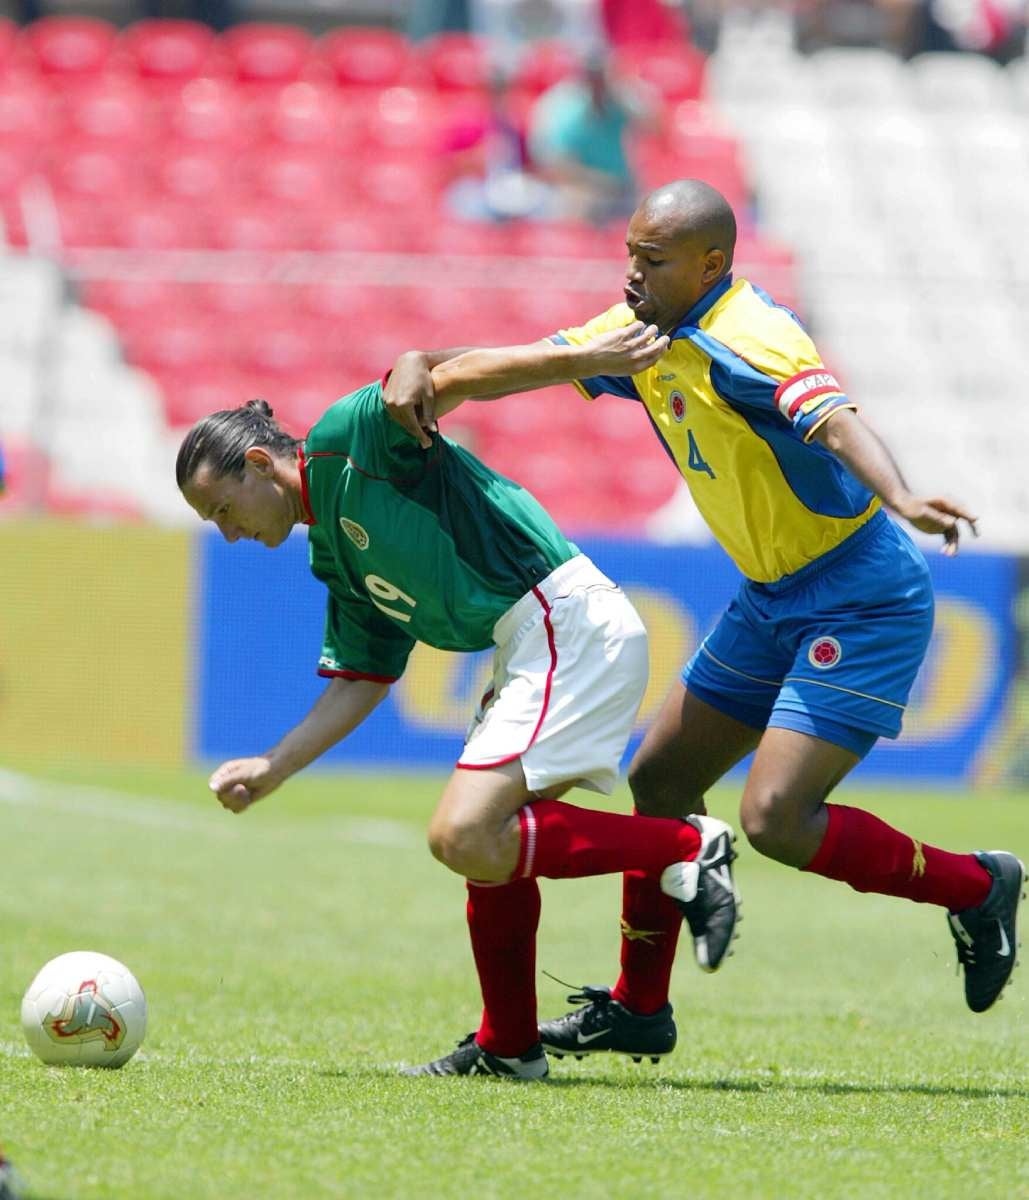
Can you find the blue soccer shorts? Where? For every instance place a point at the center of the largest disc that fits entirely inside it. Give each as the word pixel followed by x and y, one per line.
pixel 832 650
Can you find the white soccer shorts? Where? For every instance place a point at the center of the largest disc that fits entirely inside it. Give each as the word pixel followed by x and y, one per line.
pixel 569 673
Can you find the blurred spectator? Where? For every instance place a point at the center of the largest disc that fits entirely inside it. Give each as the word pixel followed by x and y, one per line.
pixel 910 27
pixel 578 140
pixel 219 14
pixel 428 17
pixel 2 481
pixel 496 181
pixel 630 21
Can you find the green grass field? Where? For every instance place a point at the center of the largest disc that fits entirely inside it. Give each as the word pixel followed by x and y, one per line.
pixel 293 956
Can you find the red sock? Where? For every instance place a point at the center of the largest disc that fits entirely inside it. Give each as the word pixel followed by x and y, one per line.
pixel 561 841
pixel 865 852
pixel 650 932
pixel 502 922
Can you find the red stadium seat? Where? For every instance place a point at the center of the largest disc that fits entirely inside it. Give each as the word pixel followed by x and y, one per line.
pixel 675 71
pixel 248 225
pixel 192 174
pixel 261 52
pixel 472 238
pixel 407 120
pixel 93 170
pixel 208 111
pixel 127 302
pixel 352 225
pixel 8 41
pixel 547 63
pixel 279 347
pixel 292 177
pixel 70 48
pixel 299 400
pixel 368 58
pixel 192 393
pixel 400 185
pixel 457 62
pixel 157 223
pixel 83 222
pixel 182 340
pixel 169 51
pixel 112 111
pixel 231 301
pixel 27 112
pixel 307 116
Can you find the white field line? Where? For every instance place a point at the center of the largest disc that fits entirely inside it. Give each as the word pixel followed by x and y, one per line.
pixel 25 791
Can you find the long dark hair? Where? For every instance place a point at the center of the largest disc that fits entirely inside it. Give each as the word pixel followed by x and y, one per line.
pixel 222 440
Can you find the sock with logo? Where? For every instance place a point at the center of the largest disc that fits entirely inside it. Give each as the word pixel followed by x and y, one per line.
pixel 561 841
pixel 871 856
pixel 650 933
pixel 502 923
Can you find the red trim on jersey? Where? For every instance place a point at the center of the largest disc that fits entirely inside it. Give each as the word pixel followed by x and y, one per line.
pixel 806 396
pixel 327 674
pixel 798 378
pixel 305 497
pixel 500 762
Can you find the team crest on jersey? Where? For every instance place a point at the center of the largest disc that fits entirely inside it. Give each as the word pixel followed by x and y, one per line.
pixel 825 652
pixel 86 1017
pixel 677 405
pixel 357 534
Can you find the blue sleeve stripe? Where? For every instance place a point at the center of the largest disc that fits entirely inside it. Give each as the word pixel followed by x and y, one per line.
pixel 601 385
pixel 763 295
pixel 736 381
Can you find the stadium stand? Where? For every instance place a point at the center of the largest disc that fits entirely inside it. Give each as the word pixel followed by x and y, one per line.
pixel 898 186
pixel 259 212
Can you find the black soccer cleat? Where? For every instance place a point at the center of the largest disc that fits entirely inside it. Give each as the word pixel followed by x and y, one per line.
pixel 470 1059
pixel 705 891
pixel 602 1024
pixel 985 937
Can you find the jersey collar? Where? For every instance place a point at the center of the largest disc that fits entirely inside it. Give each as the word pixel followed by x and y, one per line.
pixel 702 307
pixel 305 497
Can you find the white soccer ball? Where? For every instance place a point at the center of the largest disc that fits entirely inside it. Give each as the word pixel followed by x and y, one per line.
pixel 84 1009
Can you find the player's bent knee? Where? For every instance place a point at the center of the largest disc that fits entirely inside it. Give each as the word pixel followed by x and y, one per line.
pixel 464 848
pixel 768 828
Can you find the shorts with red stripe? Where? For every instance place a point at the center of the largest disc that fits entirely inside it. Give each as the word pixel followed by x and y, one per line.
pixel 569 674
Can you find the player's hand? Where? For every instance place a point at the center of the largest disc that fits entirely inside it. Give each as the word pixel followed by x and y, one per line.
pixel 243 781
pixel 626 351
pixel 410 399
pixel 939 515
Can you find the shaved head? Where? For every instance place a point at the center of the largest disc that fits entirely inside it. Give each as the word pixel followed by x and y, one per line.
pixel 694 211
pixel 681 242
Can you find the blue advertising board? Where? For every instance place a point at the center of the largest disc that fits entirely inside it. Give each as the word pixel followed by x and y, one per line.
pixel 258 637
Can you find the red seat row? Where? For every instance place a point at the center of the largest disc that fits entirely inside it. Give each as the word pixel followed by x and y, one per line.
pixel 70 49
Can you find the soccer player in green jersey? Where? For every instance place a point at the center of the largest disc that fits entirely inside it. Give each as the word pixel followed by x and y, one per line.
pixel 435 547
pixel 814 659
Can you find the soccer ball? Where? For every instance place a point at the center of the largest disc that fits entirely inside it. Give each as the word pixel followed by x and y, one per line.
pixel 84 1009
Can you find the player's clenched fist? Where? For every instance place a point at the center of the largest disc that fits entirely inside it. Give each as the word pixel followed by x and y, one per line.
pixel 242 781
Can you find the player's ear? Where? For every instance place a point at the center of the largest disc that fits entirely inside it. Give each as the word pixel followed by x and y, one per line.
pixel 714 266
pixel 260 459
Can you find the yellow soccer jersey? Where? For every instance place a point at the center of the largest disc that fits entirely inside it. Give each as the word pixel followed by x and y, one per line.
pixel 735 401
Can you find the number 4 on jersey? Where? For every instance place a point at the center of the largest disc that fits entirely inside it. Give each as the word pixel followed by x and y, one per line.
pixel 696 460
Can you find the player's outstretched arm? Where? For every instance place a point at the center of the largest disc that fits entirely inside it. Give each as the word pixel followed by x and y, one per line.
pixel 868 459
pixel 489 373
pixel 341 707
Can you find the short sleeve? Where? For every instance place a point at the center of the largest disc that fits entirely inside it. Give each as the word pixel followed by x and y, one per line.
pixel 358 642
pixel 598 385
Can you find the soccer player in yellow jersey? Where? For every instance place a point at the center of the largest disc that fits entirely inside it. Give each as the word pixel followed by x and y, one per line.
pixel 815 657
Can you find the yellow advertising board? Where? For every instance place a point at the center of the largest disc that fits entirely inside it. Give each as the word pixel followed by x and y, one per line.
pixel 94 623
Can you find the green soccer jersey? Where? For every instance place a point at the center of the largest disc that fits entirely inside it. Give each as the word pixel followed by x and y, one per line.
pixel 413 545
